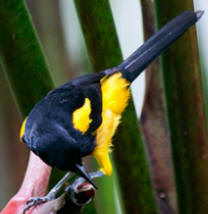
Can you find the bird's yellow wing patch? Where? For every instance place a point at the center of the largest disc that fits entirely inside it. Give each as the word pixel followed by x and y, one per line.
pixel 22 130
pixel 81 117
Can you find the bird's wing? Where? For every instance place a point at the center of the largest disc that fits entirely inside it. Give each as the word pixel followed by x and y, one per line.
pixel 111 93
pixel 88 118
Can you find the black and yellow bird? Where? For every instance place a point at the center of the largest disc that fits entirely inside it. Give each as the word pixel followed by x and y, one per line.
pixel 80 117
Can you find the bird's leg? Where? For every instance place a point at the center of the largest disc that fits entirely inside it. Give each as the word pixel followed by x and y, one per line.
pixel 81 180
pixel 35 201
pixel 74 190
pixel 59 185
pixel 96 174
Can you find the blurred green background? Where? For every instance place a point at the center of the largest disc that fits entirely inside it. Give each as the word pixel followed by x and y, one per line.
pixel 58 28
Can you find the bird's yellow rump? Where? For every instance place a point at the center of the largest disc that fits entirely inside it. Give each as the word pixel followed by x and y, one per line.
pixel 115 95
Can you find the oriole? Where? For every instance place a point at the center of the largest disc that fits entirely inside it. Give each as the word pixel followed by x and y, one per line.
pixel 80 117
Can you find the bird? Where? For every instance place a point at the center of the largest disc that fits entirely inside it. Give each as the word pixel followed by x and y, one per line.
pixel 80 117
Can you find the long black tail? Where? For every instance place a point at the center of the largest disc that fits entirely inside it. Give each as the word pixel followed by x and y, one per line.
pixel 160 41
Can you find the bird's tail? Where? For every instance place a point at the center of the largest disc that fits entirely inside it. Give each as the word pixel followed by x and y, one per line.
pixel 160 41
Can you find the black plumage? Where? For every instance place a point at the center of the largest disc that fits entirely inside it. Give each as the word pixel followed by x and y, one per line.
pixel 49 130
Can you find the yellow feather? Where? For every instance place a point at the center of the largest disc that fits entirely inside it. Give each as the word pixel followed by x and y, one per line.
pixel 115 95
pixel 104 135
pixel 22 130
pixel 81 117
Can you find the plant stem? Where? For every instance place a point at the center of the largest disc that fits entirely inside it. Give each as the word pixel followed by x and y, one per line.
pixel 155 125
pixel 186 113
pixel 129 154
pixel 21 56
pixel 25 67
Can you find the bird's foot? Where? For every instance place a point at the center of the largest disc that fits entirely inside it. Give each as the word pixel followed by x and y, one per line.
pixel 96 174
pixel 35 201
pixel 81 180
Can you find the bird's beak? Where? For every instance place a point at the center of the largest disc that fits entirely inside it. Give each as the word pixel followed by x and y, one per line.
pixel 80 169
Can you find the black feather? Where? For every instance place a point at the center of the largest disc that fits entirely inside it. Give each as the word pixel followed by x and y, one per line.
pixel 159 42
pixel 49 130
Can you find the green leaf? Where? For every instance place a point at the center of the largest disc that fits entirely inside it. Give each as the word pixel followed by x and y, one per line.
pixel 21 56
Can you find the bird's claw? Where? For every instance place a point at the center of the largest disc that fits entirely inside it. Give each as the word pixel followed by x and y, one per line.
pixel 34 202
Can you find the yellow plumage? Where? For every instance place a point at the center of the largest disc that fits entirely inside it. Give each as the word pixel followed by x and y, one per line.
pixel 104 136
pixel 81 117
pixel 115 93
pixel 22 130
pixel 115 96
